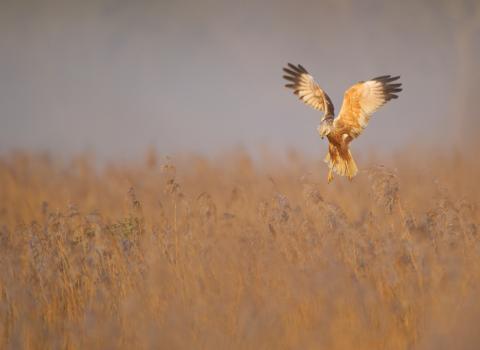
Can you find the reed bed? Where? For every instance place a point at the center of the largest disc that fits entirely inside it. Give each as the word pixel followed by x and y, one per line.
pixel 233 253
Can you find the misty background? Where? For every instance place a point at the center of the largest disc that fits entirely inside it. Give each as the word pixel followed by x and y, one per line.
pixel 116 77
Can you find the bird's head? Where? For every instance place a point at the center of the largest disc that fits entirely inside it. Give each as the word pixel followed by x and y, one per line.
pixel 325 127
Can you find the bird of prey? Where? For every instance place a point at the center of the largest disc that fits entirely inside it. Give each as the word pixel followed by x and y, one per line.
pixel 359 103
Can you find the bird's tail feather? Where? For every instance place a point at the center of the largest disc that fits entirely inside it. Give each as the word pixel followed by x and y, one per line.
pixel 342 163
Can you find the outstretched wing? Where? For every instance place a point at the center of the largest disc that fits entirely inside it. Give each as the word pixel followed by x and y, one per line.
pixel 362 100
pixel 307 90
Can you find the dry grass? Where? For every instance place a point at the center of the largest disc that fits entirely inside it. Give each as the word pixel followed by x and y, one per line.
pixel 226 254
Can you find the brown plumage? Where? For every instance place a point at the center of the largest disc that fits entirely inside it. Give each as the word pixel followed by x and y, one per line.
pixel 359 103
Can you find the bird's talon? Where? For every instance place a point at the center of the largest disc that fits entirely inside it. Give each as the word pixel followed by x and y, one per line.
pixel 330 176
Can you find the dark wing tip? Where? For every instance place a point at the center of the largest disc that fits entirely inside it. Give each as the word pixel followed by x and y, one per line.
pixel 302 69
pixel 299 69
pixel 291 72
pixel 390 90
pixel 386 78
pixel 381 77
pixel 389 80
pixel 290 78
pixel 294 67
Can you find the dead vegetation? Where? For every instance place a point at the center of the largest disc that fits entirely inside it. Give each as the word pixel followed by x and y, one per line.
pixel 193 253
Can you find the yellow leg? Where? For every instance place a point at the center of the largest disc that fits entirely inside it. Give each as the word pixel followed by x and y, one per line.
pixel 330 175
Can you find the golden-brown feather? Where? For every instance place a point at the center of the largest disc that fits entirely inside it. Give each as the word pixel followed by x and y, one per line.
pixel 305 87
pixel 361 101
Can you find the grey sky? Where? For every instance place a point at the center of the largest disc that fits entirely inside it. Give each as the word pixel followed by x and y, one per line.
pixel 117 76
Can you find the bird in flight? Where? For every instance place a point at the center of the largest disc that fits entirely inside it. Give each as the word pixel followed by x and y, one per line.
pixel 359 103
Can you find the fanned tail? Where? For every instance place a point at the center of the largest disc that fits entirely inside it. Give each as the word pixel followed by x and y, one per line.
pixel 342 163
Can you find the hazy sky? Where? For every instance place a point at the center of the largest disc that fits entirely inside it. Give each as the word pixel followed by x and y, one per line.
pixel 117 76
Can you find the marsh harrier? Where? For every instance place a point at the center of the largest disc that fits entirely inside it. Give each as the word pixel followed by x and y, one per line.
pixel 359 103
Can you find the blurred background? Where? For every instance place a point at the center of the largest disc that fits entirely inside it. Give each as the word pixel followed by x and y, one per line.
pixel 118 77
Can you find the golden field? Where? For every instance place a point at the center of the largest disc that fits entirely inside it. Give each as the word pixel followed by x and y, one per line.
pixel 234 253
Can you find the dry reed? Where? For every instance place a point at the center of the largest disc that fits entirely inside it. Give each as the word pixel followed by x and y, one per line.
pixel 192 253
